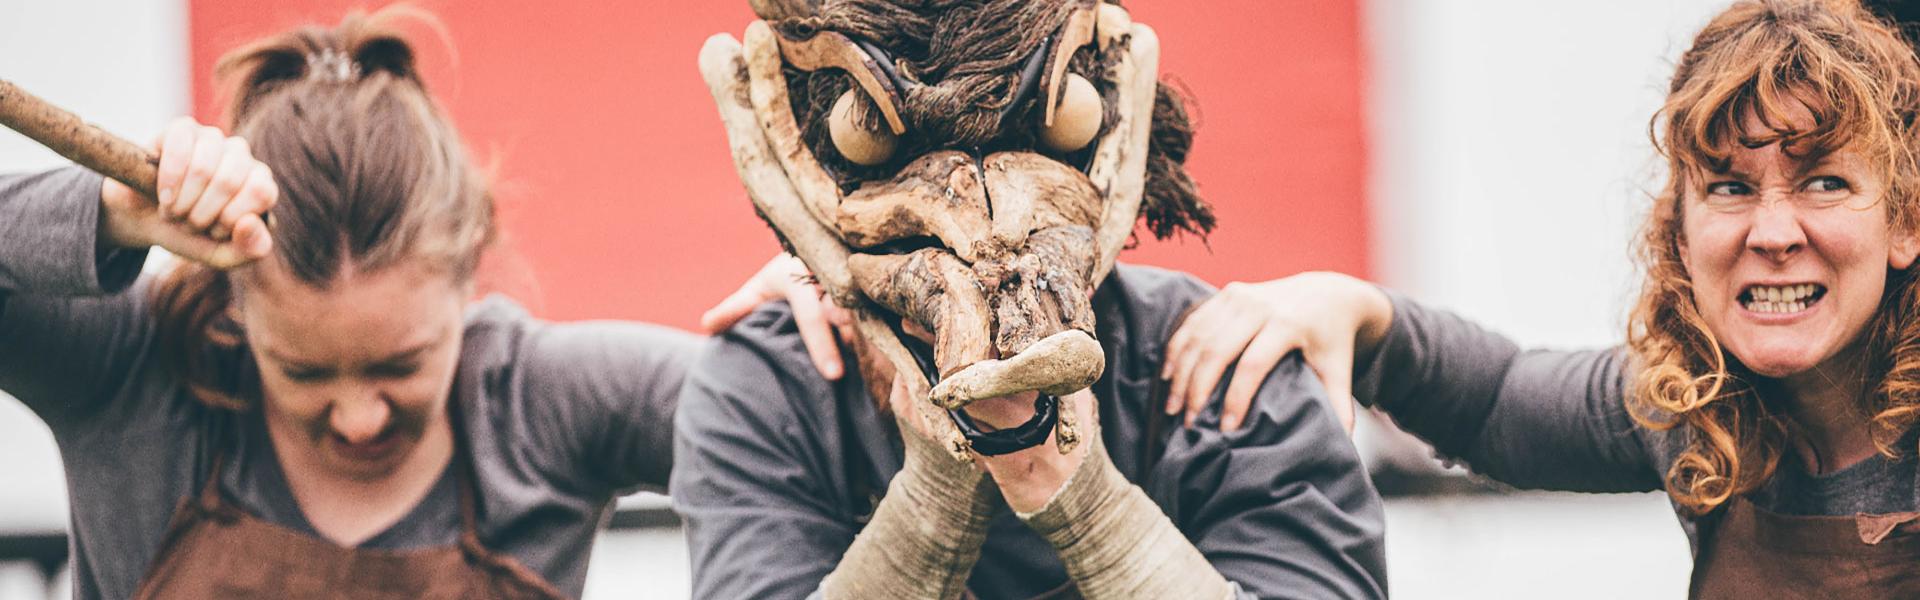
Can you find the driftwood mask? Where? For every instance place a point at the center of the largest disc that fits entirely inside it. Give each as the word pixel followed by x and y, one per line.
pixel 977 194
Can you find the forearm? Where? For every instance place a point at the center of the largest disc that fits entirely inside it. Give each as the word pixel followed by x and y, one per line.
pixel 1116 543
pixel 1533 419
pixel 1436 373
pixel 925 535
pixel 50 236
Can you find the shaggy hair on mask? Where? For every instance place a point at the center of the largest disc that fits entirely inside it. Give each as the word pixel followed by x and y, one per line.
pixel 967 56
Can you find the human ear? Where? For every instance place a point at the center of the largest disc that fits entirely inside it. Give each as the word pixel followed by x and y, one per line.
pixel 1902 249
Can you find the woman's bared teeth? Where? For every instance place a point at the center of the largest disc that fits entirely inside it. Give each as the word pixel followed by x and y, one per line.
pixel 1781 299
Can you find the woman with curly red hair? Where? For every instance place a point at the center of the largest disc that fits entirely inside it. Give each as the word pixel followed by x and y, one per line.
pixel 1771 378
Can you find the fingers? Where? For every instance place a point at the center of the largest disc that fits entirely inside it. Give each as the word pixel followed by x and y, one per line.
pixel 251 238
pixel 1265 351
pixel 204 161
pixel 815 332
pixel 1221 333
pixel 176 150
pixel 223 189
pixel 256 197
pixel 840 318
pixel 1181 351
pixel 733 308
pixel 1335 366
pixel 901 402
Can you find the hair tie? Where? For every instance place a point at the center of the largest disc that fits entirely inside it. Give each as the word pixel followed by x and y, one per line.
pixel 332 64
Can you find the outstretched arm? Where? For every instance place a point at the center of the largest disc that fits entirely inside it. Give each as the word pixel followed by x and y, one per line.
pixel 1536 419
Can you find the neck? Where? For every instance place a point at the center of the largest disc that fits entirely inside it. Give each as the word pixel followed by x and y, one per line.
pixel 1827 409
pixel 349 509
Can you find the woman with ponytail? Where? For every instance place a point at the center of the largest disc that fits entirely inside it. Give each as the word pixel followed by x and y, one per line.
pixel 336 417
pixel 1770 380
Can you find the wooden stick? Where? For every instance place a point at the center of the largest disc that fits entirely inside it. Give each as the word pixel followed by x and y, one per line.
pixel 78 140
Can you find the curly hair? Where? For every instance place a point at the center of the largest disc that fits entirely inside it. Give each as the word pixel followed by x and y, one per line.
pixel 1861 81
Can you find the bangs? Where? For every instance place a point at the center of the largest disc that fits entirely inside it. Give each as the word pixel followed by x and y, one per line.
pixel 1777 88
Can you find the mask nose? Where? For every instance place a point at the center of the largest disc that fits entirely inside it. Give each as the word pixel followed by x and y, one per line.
pixel 361 419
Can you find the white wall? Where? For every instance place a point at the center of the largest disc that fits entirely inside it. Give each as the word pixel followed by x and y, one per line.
pixel 1510 165
pixel 1510 154
pixel 123 65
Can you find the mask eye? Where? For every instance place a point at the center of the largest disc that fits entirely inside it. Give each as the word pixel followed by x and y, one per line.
pixel 1077 119
pixel 857 143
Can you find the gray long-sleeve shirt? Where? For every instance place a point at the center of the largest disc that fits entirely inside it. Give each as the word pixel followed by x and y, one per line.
pixel 777 469
pixel 1558 420
pixel 559 418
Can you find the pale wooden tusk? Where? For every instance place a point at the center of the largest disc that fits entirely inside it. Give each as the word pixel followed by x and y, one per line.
pixel 1076 33
pixel 1060 364
pixel 774 10
pixel 768 89
pixel 1114 23
pixel 722 66
pixel 1120 163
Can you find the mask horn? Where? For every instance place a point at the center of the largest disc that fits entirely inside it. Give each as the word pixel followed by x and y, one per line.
pixel 775 10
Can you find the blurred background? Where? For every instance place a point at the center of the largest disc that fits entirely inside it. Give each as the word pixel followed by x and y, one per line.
pixel 1489 157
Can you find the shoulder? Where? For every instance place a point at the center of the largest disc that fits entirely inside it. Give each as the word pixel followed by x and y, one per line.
pixel 1139 307
pixel 1157 285
pixel 757 376
pixel 500 333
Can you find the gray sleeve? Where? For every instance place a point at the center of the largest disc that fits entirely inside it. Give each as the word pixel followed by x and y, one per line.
pixel 603 394
pixel 1531 419
pixel 750 480
pixel 1282 506
pixel 69 334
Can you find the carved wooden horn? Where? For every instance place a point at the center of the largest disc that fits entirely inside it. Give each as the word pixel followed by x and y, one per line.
pixel 775 10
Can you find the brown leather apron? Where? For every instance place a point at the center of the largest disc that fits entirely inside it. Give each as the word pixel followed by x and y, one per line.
pixel 214 549
pixel 1749 552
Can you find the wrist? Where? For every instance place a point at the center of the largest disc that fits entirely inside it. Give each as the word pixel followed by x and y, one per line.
pixel 1376 317
pixel 117 227
pixel 1029 478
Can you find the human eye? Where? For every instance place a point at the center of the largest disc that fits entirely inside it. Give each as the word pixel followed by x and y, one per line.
pixel 1826 190
pixel 393 370
pixel 306 374
pixel 1728 188
pixel 1827 183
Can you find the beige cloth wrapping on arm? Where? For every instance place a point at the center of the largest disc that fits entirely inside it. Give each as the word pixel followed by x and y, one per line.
pixel 1116 543
pixel 925 536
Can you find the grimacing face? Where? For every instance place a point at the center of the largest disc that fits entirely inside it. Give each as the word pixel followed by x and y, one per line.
pixel 355 376
pixel 1789 255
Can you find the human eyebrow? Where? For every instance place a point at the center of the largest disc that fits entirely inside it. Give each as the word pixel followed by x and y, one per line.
pixel 1826 162
pixel 289 361
pixel 407 355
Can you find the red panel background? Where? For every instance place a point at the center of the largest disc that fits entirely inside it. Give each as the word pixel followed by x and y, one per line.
pixel 620 200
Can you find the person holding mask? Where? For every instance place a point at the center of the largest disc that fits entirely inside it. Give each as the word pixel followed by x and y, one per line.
pixel 1768 379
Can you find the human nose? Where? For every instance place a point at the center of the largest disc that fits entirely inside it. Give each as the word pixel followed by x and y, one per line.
pixel 360 416
pixel 1776 233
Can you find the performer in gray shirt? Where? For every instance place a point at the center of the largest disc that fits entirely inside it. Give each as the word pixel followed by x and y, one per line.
pixel 776 469
pixel 317 407
pixel 1767 383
